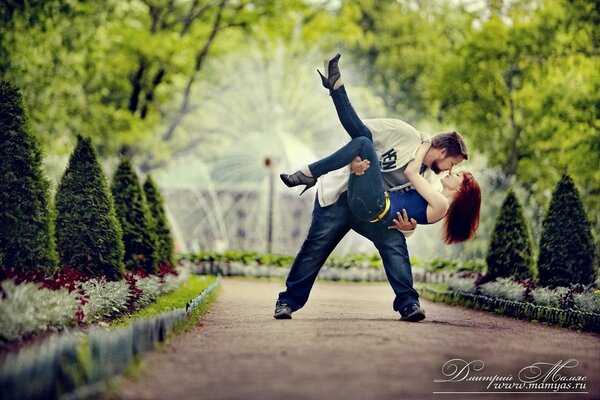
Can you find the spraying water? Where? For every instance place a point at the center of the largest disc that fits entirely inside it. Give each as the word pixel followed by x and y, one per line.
pixel 262 106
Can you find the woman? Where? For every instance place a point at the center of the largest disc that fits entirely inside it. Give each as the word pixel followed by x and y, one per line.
pixel 458 203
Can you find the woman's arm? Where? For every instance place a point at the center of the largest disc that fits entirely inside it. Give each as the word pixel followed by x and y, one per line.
pixel 414 166
pixel 438 203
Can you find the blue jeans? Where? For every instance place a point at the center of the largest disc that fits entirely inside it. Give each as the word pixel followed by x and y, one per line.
pixel 348 117
pixel 365 193
pixel 330 224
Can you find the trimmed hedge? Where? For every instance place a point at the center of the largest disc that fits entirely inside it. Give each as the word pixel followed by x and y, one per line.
pixel 160 225
pixel 510 251
pixel 135 219
pixel 88 235
pixel 517 309
pixel 26 236
pixel 566 245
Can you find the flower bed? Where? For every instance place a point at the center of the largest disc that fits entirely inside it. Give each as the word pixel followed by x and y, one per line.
pixel 76 364
pixel 519 309
pixel 577 297
pixel 27 308
pixel 254 270
pixel 354 268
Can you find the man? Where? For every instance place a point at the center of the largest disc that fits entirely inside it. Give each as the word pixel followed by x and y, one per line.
pixel 396 143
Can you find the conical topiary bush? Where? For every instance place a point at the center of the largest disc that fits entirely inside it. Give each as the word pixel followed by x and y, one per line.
pixel 160 225
pixel 566 245
pixel 88 234
pixel 510 251
pixel 135 219
pixel 26 231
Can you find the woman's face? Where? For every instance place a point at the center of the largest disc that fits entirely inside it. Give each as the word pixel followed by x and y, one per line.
pixel 453 180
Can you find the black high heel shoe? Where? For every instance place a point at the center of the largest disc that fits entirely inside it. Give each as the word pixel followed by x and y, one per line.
pixel 333 73
pixel 298 178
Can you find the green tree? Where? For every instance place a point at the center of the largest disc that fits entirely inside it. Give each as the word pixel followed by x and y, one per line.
pixel 160 224
pixel 88 235
pixel 510 251
pixel 135 219
pixel 523 87
pixel 399 56
pixel 26 230
pixel 129 74
pixel 566 246
pixel 116 68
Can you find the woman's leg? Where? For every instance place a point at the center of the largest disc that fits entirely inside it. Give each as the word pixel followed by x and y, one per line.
pixel 366 196
pixel 348 117
pixel 365 192
pixel 341 157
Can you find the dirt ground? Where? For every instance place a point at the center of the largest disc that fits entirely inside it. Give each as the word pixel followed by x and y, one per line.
pixel 348 343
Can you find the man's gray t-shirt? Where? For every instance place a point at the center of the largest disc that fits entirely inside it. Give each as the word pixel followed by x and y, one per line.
pixel 396 144
pixel 394 178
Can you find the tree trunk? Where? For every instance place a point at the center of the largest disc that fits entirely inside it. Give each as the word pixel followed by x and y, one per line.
pixel 150 95
pixel 136 83
pixel 516 130
pixel 200 58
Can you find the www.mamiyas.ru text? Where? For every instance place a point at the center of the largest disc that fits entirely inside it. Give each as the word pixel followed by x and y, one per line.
pixel 539 376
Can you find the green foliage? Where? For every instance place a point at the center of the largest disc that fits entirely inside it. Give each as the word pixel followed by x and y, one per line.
pixel 518 78
pixel 26 232
pixel 401 55
pixel 504 302
pixel 135 219
pixel 245 257
pixel 171 301
pixel 160 224
pixel 355 260
pixel 566 247
pixel 88 235
pixel 453 265
pixel 27 308
pixel 510 251
pixel 439 264
pixel 57 52
pixel 358 260
pixel 476 265
pixel 116 69
pixel 523 87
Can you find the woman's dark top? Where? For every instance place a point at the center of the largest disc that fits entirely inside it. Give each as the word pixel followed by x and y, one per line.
pixel 414 204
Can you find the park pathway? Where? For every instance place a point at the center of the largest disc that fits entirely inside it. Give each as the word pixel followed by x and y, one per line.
pixel 347 343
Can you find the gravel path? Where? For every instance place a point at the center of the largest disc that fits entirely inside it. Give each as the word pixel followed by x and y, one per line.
pixel 347 343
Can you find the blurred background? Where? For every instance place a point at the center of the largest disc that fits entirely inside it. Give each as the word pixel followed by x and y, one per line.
pixel 216 98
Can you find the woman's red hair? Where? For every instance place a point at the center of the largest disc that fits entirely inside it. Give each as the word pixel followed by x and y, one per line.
pixel 462 219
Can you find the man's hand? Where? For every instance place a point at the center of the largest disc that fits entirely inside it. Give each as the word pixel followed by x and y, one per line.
pixel 359 166
pixel 402 222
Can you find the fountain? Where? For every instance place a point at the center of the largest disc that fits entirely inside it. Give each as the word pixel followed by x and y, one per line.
pixel 265 105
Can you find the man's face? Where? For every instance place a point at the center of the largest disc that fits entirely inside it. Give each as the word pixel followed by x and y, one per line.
pixel 445 163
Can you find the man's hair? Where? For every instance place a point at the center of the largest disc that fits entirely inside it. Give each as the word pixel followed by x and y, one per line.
pixel 453 142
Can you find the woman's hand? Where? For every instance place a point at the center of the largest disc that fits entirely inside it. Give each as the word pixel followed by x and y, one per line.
pixel 359 166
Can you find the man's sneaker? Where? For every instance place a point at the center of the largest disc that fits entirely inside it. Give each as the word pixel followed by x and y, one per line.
pixel 412 313
pixel 282 310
